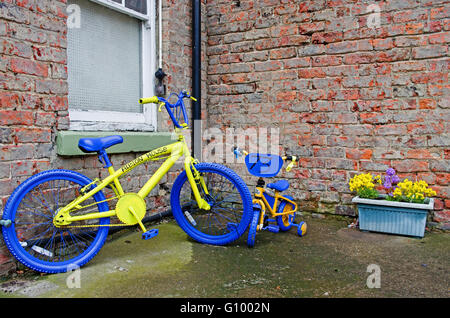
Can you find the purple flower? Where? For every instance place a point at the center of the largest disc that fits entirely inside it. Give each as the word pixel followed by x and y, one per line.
pixel 395 179
pixel 390 172
pixel 387 184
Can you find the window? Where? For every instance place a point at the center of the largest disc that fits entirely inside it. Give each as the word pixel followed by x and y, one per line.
pixel 111 61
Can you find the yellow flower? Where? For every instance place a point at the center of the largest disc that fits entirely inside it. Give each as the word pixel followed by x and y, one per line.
pixel 413 191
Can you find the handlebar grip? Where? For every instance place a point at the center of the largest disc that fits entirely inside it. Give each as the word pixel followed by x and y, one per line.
pixel 149 100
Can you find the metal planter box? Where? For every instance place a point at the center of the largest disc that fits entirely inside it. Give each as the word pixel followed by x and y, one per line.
pixel 393 217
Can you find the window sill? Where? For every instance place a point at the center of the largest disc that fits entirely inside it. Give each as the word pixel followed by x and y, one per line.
pixel 67 141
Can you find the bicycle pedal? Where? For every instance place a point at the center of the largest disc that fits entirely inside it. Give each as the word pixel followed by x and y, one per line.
pixel 273 228
pixel 149 234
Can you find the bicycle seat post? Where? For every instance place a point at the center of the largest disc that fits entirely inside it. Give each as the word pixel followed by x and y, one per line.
pixel 104 159
pixel 260 182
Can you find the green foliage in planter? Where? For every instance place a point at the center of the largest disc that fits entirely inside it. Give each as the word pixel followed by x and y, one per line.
pixel 368 193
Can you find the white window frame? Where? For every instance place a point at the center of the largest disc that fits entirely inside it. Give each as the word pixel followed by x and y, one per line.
pixel 86 120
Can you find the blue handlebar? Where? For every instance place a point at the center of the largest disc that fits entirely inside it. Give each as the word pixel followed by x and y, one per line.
pixel 179 108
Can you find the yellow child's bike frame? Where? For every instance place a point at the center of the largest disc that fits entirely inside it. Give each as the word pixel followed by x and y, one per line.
pixel 45 218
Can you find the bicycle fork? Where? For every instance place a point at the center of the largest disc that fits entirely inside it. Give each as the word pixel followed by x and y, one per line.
pixel 195 180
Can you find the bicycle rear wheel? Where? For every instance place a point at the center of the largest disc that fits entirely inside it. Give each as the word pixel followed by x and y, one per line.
pixel 32 237
pixel 230 201
pixel 286 221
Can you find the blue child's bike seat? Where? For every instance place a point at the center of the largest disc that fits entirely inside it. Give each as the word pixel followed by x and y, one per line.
pixel 97 144
pixel 280 185
pixel 263 165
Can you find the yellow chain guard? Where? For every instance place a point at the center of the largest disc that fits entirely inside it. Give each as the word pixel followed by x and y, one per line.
pixel 123 208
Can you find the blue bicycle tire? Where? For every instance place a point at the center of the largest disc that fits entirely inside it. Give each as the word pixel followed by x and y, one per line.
pixel 280 218
pixel 17 248
pixel 251 239
pixel 206 226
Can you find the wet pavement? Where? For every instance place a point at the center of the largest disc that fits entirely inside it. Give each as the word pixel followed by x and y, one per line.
pixel 330 261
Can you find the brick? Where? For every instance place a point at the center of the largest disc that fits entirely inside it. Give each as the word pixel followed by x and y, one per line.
pixel 311 73
pixel 309 28
pixel 14 117
pixel 283 53
pixel 427 103
pixel 329 152
pixel 286 96
pixel 27 66
pixel 395 54
pixel 283 30
pixel 17 48
pixel 326 60
pixel 297 62
pixel 309 140
pixel 440 13
pixel 327 37
pixel 9 100
pixel 268 66
pixel 51 86
pixel 429 51
pixel 410 165
pixel 359 58
pixel 344 164
pixel 28 167
pixel 24 32
pixel 425 78
pixel 49 54
pixel 44 119
pixel 35 135
pixel 419 154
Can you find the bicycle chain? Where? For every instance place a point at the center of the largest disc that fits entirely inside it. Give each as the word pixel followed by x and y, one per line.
pixel 96 225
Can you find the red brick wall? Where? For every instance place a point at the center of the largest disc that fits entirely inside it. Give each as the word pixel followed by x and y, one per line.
pixel 346 97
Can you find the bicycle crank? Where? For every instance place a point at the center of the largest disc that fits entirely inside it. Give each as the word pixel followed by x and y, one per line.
pixel 131 209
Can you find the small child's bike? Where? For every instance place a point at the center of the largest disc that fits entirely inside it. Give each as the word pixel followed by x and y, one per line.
pixel 58 219
pixel 282 208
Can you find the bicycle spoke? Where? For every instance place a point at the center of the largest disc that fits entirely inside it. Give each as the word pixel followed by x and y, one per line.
pixel 34 222
pixel 225 202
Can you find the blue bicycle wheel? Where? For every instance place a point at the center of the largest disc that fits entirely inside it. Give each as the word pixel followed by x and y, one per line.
pixel 253 226
pixel 285 221
pixel 230 201
pixel 32 237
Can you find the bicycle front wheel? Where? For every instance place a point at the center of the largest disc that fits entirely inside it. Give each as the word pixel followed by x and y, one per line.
pixel 230 201
pixel 32 237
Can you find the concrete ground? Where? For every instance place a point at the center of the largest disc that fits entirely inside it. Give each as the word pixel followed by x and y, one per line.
pixel 330 261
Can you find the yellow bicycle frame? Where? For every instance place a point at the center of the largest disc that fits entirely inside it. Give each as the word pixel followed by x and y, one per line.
pixel 264 204
pixel 278 198
pixel 174 151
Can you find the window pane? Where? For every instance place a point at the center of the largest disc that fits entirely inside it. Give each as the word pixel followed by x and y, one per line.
pixel 104 65
pixel 137 5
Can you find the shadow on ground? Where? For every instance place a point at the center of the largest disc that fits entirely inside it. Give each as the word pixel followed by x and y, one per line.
pixel 330 261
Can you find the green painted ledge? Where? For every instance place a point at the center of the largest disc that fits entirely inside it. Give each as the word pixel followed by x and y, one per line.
pixel 67 141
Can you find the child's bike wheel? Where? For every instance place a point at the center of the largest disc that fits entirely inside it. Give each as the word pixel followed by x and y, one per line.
pixel 302 228
pixel 253 227
pixel 285 221
pixel 32 237
pixel 230 201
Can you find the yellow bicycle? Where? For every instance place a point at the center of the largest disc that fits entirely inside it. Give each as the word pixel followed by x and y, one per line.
pixel 59 218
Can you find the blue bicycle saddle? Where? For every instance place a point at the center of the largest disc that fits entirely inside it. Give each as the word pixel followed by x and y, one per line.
pixel 97 144
pixel 280 185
